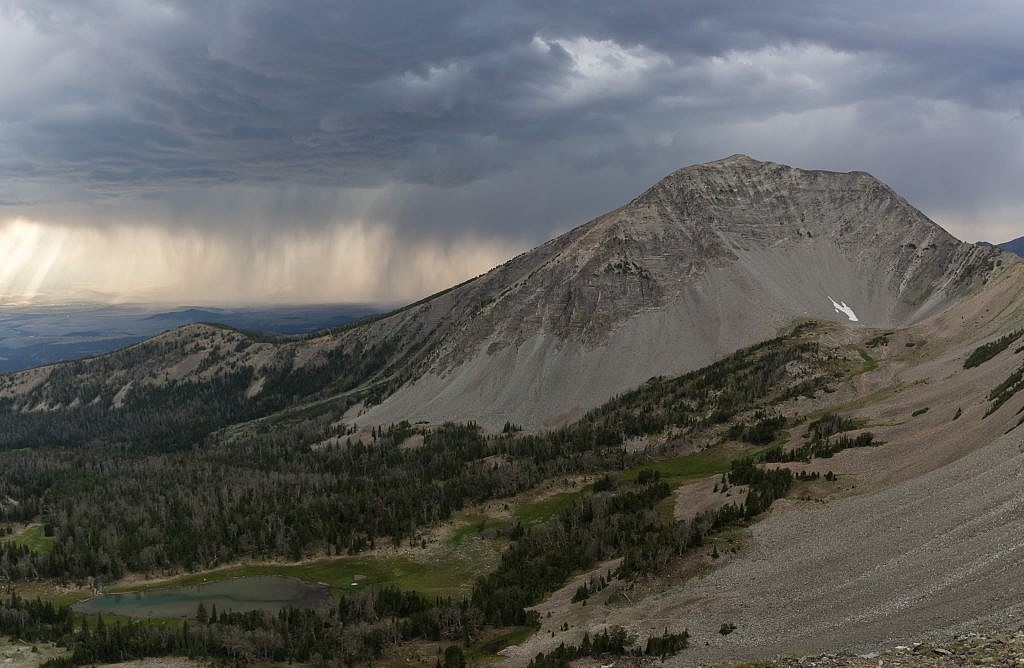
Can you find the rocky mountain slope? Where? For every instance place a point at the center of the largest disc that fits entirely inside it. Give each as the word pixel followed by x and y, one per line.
pixel 910 535
pixel 712 258
pixel 914 541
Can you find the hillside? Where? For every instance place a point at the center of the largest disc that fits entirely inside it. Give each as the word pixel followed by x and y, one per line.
pixel 32 336
pixel 712 258
pixel 839 484
pixel 833 488
pixel 913 541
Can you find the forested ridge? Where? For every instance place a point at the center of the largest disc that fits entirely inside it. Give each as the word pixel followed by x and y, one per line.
pixel 360 627
pixel 296 489
pixel 113 508
pixel 170 416
pixel 77 405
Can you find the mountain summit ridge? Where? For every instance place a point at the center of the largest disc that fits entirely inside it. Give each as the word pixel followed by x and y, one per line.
pixel 705 215
pixel 712 258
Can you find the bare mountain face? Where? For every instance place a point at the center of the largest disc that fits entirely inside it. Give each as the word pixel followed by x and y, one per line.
pixel 710 259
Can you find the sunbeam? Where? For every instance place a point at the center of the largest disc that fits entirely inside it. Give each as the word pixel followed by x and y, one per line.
pixel 42 262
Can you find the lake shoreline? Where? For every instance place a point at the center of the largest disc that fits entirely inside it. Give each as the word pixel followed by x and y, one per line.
pixel 238 594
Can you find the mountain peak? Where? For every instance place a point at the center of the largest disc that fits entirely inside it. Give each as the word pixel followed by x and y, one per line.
pixel 737 159
pixel 712 258
pixel 742 163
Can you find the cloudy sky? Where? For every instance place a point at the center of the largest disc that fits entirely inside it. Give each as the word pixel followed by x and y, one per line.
pixel 223 151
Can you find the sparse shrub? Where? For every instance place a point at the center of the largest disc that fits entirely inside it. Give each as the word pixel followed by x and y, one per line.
pixel 454 657
pixel 879 341
pixel 605 483
pixel 648 476
pixel 667 644
pixel 1005 390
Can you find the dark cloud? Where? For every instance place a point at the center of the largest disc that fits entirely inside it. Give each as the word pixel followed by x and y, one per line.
pixel 509 119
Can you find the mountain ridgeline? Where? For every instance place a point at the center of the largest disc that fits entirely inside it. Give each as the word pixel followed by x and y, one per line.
pixel 1015 246
pixel 712 258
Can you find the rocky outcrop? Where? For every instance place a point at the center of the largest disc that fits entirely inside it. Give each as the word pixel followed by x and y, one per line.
pixel 969 649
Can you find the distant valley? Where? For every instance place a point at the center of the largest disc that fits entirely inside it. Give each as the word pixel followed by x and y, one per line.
pixel 35 335
pixel 1015 246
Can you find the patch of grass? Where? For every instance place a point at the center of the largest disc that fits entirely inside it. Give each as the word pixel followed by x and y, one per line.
pixel 675 471
pixel 688 468
pixel 489 648
pixel 870 364
pixel 52 592
pixel 684 469
pixel 475 524
pixel 34 538
pixel 546 509
pixel 484 527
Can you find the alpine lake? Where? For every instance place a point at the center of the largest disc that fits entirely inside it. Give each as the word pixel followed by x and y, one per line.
pixel 245 594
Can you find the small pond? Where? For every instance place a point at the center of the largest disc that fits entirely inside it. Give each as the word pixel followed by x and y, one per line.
pixel 269 593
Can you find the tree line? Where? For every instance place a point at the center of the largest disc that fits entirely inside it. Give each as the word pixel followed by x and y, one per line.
pixel 360 627
pixel 303 488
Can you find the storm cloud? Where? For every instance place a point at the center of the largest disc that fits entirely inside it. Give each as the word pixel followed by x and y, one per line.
pixel 476 129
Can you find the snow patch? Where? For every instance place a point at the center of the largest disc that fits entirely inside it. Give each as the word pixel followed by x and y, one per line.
pixel 841 307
